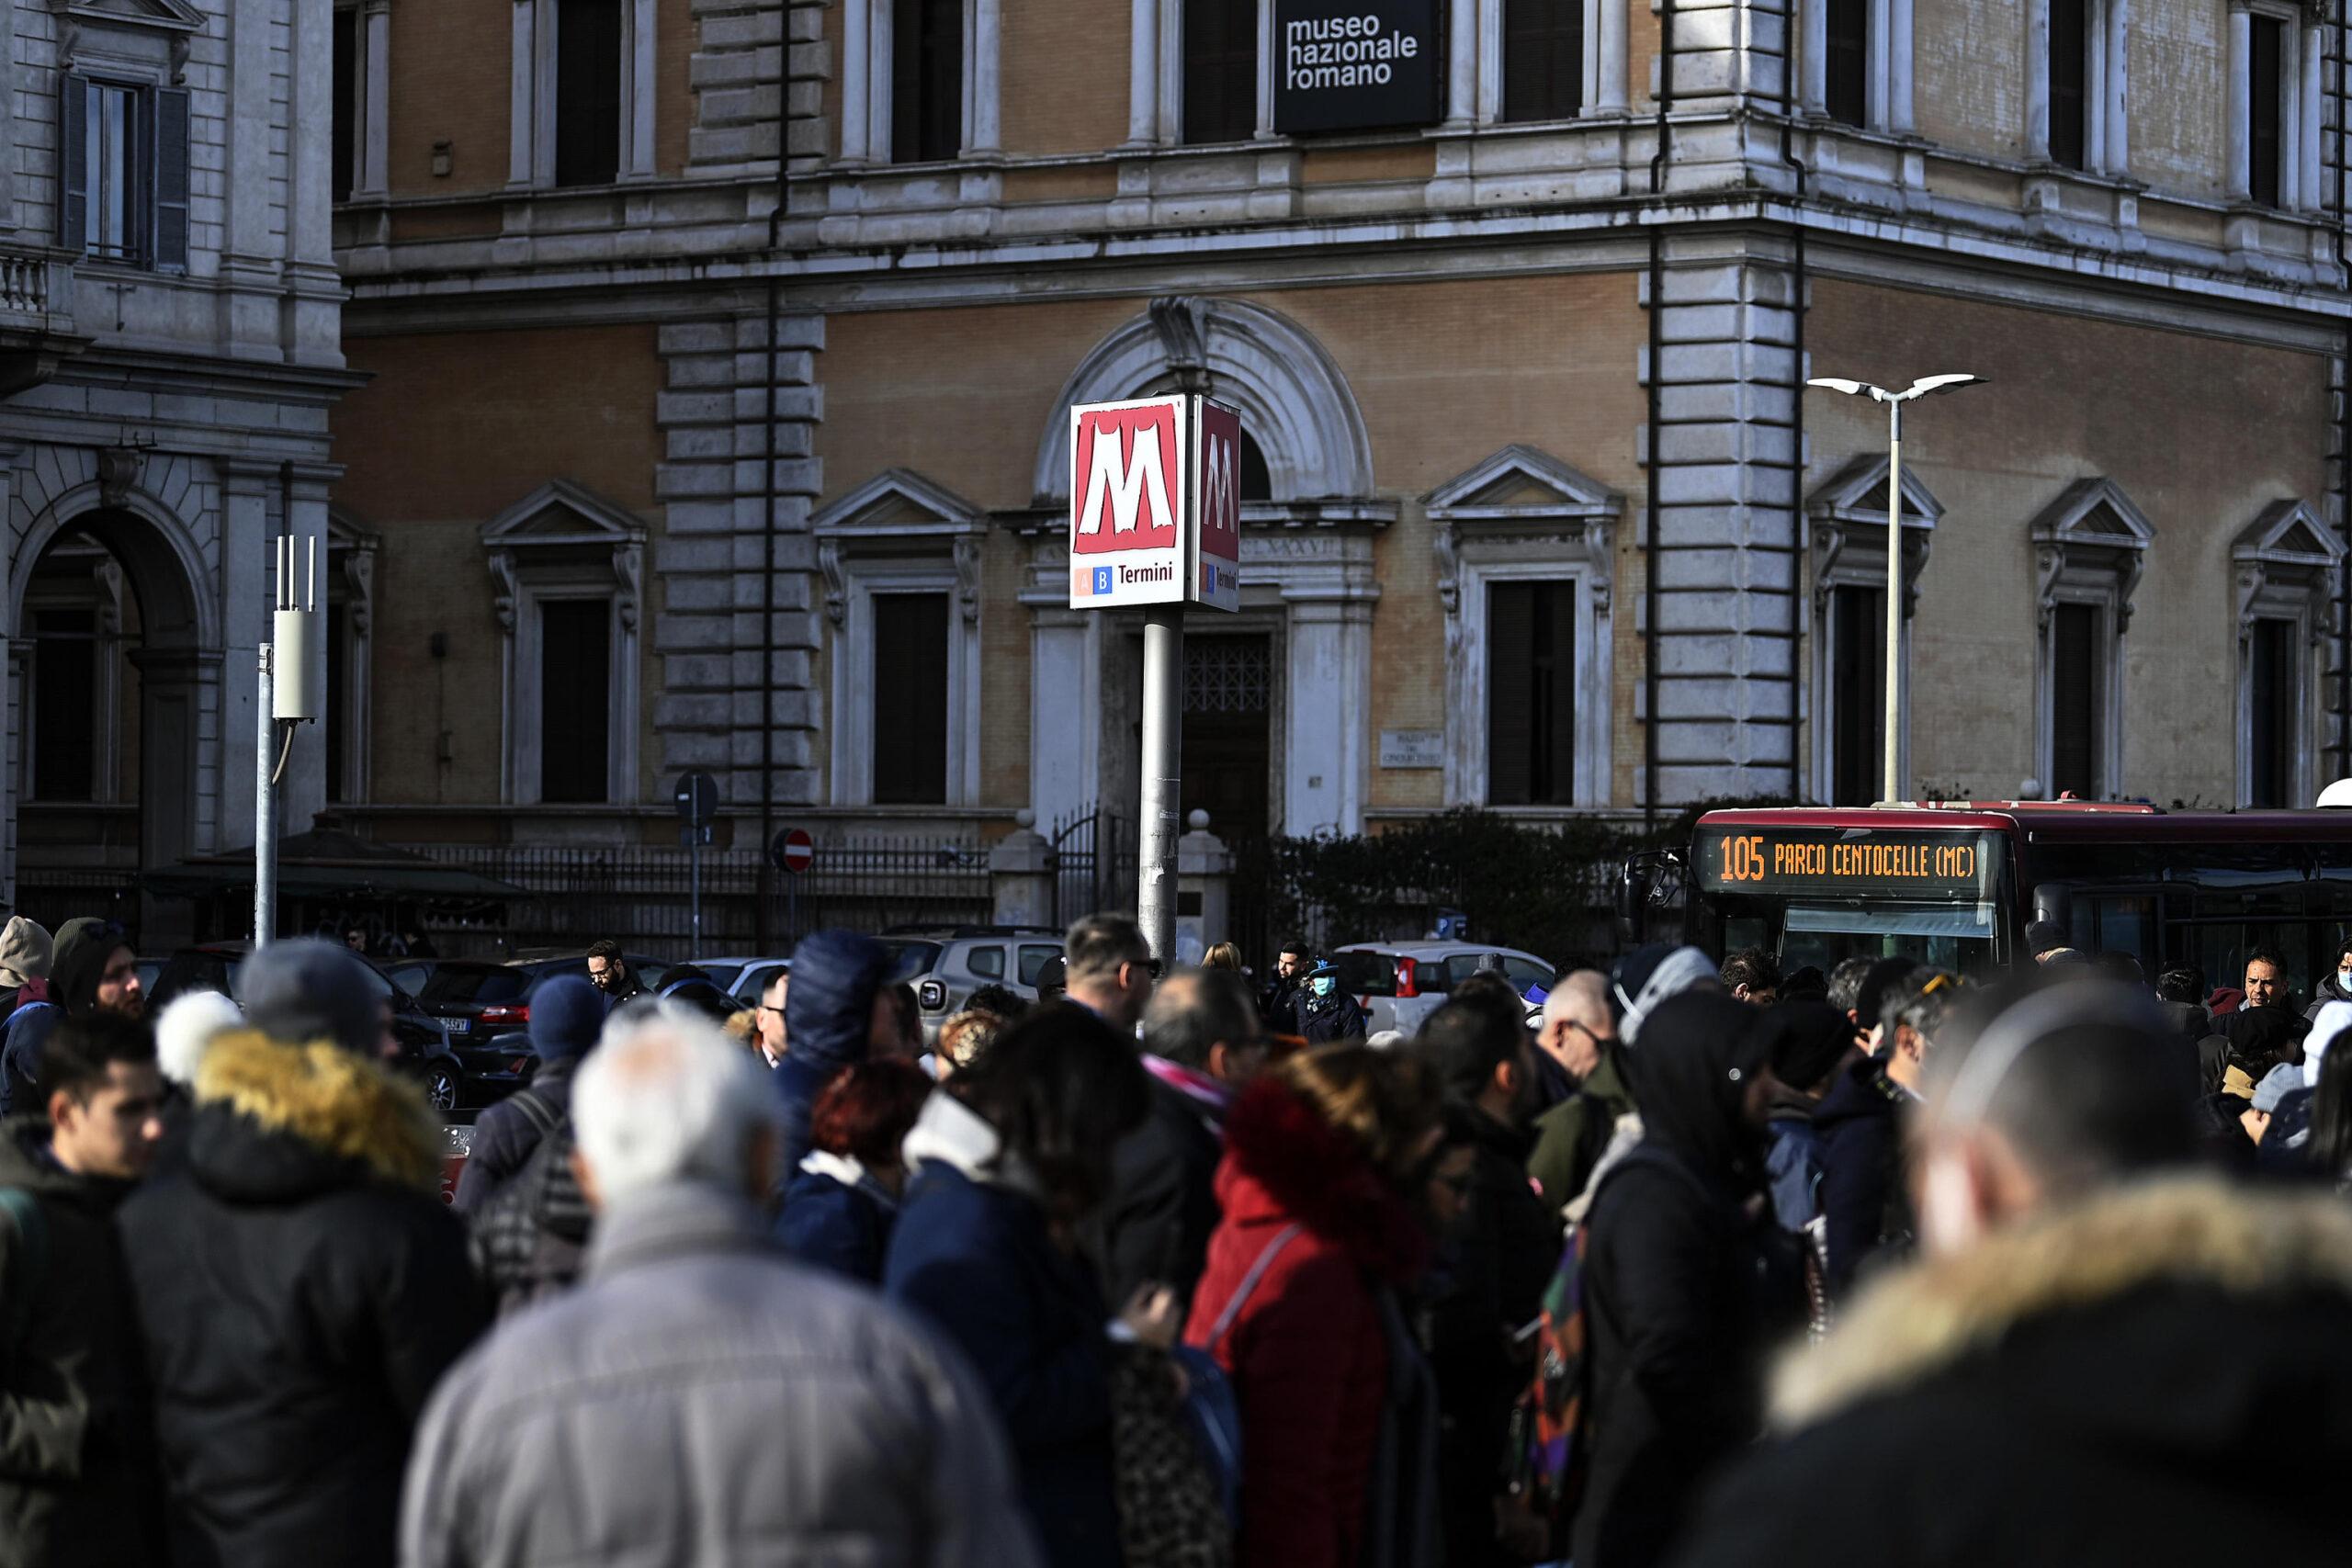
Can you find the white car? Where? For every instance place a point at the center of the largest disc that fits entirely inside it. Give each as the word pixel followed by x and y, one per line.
pixel 1399 984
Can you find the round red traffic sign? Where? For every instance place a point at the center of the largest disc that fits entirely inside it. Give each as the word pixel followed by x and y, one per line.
pixel 795 850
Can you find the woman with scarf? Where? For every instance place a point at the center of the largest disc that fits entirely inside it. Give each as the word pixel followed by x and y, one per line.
pixel 1685 1283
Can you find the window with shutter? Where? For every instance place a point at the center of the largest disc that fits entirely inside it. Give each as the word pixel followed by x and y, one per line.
pixel 170 178
pixel 346 106
pixel 576 700
pixel 587 92
pixel 1847 59
pixel 909 696
pixel 2265 105
pixel 2069 74
pixel 1857 696
pixel 1543 59
pixel 1220 70
pixel 2077 673
pixel 1531 694
pixel 926 80
pixel 2273 705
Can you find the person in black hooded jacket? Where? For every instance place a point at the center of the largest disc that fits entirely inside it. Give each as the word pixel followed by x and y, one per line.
pixel 834 1016
pixel 1683 1289
pixel 300 1286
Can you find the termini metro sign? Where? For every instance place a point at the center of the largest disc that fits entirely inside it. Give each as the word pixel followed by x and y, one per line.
pixel 1155 504
pixel 1354 64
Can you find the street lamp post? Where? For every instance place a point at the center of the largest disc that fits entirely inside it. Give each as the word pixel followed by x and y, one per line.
pixel 1895 402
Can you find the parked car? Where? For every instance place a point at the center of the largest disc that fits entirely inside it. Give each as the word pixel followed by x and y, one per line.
pixel 425 1053
pixel 945 965
pixel 742 978
pixel 541 962
pixel 1399 984
pixel 485 1007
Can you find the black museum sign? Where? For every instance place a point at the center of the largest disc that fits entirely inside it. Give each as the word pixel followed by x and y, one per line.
pixel 1356 64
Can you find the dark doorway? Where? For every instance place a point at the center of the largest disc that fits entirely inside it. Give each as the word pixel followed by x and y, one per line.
pixel 1228 732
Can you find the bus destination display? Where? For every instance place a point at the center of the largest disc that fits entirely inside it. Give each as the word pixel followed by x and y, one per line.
pixel 1771 860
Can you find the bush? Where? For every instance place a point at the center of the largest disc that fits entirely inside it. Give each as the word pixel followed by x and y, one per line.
pixel 1546 889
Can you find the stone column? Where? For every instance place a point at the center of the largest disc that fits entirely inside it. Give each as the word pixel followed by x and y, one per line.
pixel 2240 165
pixel 2117 128
pixel 1328 750
pixel 1727 480
pixel 251 252
pixel 2037 79
pixel 2308 123
pixel 1609 85
pixel 1143 74
pixel 248 497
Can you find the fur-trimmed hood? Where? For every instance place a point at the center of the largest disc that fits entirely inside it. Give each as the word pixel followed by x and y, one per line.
pixel 276 1121
pixel 1283 1162
pixel 2190 1233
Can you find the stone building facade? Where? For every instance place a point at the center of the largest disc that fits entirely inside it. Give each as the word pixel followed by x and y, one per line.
pixel 170 351
pixel 747 331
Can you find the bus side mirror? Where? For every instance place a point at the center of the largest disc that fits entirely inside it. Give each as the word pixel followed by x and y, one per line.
pixel 1635 880
pixel 2055 902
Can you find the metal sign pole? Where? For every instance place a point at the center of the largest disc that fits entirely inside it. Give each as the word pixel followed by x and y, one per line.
pixel 1893 743
pixel 265 808
pixel 695 858
pixel 1163 737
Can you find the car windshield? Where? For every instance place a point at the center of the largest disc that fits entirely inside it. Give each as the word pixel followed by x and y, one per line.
pixel 452 985
pixel 909 959
pixel 1367 973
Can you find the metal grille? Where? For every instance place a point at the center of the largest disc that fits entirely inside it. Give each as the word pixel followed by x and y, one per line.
pixel 1228 674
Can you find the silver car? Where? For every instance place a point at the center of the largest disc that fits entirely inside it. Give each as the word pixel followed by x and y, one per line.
pixel 1399 984
pixel 948 964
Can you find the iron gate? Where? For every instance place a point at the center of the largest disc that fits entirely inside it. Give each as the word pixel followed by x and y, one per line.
pixel 1094 864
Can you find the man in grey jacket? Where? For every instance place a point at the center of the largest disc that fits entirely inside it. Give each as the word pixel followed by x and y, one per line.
pixel 699 1398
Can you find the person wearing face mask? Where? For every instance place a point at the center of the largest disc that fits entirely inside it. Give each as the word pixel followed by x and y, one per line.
pixel 2336 986
pixel 2140 1362
pixel 1326 1014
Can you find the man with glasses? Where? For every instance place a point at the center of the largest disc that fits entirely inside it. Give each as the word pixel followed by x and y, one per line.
pixel 1202 1043
pixel 1580 1034
pixel 771 1035
pixel 610 974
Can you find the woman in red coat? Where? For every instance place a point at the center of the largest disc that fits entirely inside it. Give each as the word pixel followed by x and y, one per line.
pixel 1298 1304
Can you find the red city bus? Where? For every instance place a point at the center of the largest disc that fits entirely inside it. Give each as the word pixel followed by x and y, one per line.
pixel 1954 884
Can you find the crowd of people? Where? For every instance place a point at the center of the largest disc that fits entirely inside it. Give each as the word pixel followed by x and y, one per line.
pixel 1681 1263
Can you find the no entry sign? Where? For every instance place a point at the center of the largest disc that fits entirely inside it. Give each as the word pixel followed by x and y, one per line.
pixel 1155 504
pixel 794 851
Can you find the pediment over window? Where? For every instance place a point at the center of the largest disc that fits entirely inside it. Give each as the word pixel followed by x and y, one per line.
pixel 170 16
pixel 1519 482
pixel 2287 534
pixel 1857 494
pixel 2090 545
pixel 898 514
pixel 558 514
pixel 2094 512
pixel 897 503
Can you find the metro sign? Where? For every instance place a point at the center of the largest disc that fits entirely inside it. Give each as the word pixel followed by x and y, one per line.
pixel 1155 504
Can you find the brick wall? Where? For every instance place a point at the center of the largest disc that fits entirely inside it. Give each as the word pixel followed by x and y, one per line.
pixel 1968 75
pixel 450 83
pixel 1065 75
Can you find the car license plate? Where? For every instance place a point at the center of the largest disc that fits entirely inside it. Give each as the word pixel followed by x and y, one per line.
pixel 460 1025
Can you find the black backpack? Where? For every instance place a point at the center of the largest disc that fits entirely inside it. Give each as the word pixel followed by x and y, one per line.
pixel 529 1236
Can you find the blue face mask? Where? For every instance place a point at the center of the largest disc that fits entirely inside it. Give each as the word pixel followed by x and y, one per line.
pixel 1323 984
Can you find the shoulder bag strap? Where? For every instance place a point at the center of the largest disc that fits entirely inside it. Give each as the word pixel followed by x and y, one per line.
pixel 1249 1283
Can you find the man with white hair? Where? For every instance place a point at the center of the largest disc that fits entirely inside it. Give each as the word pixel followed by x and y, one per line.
pixel 1580 1034
pixel 699 1398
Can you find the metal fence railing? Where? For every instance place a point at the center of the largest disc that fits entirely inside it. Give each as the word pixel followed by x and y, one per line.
pixel 641 896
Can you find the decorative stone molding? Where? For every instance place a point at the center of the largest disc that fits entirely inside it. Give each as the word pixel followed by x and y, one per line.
pixel 563 542
pixel 1848 514
pixel 2285 565
pixel 2090 545
pixel 1294 402
pixel 900 532
pixel 1523 516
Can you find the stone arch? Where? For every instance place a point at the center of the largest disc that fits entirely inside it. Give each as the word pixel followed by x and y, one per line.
pixel 1291 393
pixel 180 655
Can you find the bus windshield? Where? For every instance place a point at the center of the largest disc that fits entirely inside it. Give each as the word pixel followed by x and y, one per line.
pixel 1818 896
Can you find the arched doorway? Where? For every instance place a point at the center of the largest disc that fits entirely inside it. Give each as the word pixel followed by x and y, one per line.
pixel 114 707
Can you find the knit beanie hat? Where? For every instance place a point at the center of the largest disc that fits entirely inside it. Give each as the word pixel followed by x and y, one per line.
pixel 567 1016
pixel 1646 976
pixel 24 951
pixel 307 990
